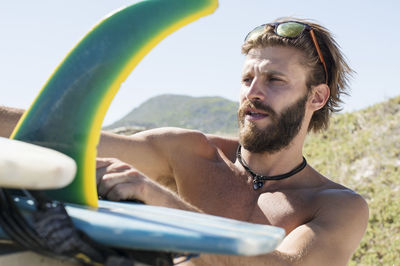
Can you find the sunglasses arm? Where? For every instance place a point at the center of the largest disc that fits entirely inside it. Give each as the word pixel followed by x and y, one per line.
pixel 314 39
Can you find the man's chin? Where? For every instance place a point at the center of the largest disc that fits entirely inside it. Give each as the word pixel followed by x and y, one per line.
pixel 258 125
pixel 250 133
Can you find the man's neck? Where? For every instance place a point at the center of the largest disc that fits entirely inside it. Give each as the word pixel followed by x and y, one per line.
pixel 273 163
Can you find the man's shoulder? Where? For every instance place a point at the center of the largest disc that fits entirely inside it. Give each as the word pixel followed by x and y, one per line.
pixel 227 144
pixel 340 194
pixel 342 217
pixel 325 190
pixel 331 191
pixel 338 202
pixel 333 201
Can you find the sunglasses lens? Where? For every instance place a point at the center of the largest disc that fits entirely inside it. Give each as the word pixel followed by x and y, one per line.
pixel 254 33
pixel 290 29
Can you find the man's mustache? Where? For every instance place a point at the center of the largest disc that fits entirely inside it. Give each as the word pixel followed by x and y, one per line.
pixel 259 106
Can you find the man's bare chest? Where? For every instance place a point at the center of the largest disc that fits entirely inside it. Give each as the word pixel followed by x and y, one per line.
pixel 218 188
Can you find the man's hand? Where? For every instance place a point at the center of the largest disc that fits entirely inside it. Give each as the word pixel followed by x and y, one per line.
pixel 117 181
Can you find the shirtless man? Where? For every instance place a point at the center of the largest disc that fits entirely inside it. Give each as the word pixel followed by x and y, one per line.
pixel 292 79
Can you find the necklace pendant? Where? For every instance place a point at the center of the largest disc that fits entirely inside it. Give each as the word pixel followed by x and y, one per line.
pixel 257 184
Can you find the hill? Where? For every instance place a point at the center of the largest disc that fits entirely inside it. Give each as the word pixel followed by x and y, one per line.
pixel 208 114
pixel 360 150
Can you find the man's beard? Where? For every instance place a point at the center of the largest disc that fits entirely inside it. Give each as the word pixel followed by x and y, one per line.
pixel 278 134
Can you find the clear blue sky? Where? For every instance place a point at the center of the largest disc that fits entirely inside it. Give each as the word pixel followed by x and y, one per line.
pixel 201 59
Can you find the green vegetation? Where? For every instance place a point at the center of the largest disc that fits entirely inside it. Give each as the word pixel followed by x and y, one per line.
pixel 360 150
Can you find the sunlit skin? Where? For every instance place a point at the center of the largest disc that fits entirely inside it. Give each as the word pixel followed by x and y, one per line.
pixel 189 170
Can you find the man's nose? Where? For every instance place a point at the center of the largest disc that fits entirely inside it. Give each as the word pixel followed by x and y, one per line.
pixel 255 92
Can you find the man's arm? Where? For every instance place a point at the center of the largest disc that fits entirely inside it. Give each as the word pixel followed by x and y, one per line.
pixel 9 118
pixel 156 152
pixel 329 239
pixel 143 150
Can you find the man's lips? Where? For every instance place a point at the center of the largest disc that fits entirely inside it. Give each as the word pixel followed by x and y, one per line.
pixel 253 114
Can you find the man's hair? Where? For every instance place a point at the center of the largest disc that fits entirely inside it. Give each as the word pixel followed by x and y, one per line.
pixel 339 71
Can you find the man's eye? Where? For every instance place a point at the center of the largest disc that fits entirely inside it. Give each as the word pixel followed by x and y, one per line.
pixel 275 79
pixel 246 80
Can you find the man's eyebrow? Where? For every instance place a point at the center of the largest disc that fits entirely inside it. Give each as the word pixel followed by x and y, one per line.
pixel 272 73
pixel 246 71
pixel 267 72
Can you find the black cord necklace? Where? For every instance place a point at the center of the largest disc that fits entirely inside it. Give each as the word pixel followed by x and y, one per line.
pixel 258 180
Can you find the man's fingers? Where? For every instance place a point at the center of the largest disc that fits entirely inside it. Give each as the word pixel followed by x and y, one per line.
pixel 101 168
pixel 103 162
pixel 100 172
pixel 110 180
pixel 117 180
pixel 109 165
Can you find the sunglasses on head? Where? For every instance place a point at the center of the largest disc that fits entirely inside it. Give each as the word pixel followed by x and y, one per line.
pixel 291 30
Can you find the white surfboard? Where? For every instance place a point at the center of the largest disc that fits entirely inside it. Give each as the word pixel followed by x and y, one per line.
pixel 27 166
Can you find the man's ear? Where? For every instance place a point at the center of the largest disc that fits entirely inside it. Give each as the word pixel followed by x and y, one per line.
pixel 319 96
